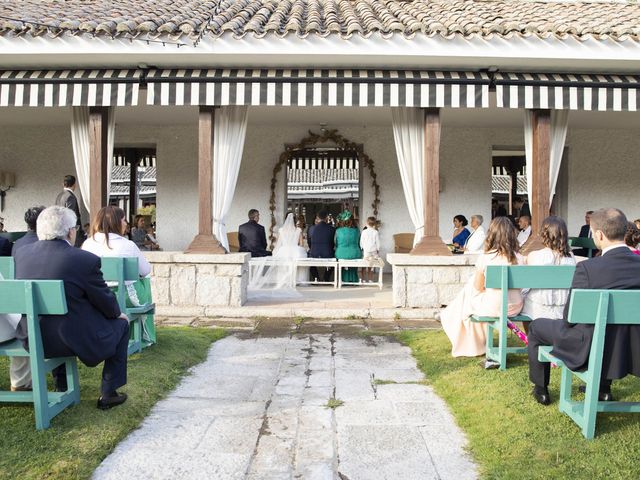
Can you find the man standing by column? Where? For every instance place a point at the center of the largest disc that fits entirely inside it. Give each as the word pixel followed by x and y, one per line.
pixel 68 199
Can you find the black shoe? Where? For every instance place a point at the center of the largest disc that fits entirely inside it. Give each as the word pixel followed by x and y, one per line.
pixel 114 399
pixel 541 395
pixel 603 396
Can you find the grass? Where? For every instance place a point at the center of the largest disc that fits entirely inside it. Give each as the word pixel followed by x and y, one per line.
pixel 511 436
pixel 82 436
pixel 334 403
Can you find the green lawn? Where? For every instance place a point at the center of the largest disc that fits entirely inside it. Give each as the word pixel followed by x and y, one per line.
pixel 510 435
pixel 81 436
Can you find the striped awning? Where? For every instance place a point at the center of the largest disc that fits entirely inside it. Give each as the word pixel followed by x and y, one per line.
pixel 62 88
pixel 324 163
pixel 349 88
pixel 567 91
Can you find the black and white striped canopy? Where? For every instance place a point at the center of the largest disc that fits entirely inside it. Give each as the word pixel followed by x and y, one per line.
pixel 323 163
pixel 568 91
pixel 349 88
pixel 63 88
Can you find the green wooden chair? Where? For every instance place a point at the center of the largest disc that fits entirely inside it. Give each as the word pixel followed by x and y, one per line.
pixel 583 242
pixel 33 298
pixel 517 276
pixel 121 270
pixel 12 236
pixel 599 308
pixel 7 268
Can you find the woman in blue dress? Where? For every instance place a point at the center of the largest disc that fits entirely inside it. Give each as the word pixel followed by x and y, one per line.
pixel 460 232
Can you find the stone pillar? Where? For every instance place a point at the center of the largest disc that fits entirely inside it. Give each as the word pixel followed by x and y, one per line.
pixel 98 128
pixel 540 178
pixel 205 241
pixel 431 243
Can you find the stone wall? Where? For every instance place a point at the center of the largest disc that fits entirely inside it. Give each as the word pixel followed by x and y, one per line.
pixel 428 282
pixel 197 285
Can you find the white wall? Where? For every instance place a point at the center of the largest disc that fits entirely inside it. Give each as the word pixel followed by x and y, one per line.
pixel 603 171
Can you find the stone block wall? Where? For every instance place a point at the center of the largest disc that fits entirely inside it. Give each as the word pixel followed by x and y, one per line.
pixel 428 281
pixel 196 285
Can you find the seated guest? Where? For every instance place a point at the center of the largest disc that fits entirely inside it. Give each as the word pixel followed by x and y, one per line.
pixel 30 217
pixel 468 339
pixel 252 237
pixel 94 329
pixel 106 239
pixel 460 233
pixel 632 237
pixel 549 303
pixel 348 245
pixel 617 268
pixel 524 223
pixel 321 241
pixel 19 367
pixel 139 233
pixel 475 241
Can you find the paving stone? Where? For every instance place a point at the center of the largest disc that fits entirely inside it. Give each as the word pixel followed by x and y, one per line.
pixel 317 396
pixel 353 385
pixel 446 447
pixel 379 452
pixel 374 412
pixel 402 392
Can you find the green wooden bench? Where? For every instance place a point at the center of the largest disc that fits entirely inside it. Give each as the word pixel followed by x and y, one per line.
pixel 12 236
pixel 599 308
pixel 505 277
pixel 583 242
pixel 33 298
pixel 7 268
pixel 121 270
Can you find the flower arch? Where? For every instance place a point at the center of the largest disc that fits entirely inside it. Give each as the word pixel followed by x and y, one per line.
pixel 311 140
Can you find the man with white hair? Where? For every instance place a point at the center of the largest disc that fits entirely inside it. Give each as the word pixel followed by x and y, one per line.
pixel 475 242
pixel 94 329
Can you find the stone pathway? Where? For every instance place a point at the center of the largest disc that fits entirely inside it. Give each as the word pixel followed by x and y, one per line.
pixel 257 409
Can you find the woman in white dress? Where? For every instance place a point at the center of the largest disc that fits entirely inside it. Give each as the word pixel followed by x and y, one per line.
pixel 277 272
pixel 468 339
pixel 549 303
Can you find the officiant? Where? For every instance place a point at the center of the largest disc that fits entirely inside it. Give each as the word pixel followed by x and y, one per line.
pixel 252 237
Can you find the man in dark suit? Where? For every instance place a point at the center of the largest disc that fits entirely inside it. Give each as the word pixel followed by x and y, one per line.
pixel 251 236
pixel 94 329
pixel 30 218
pixel 67 198
pixel 617 268
pixel 321 241
pixel 5 247
pixel 585 232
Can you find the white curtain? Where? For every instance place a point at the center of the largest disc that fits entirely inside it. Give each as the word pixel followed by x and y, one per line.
pixel 558 134
pixel 230 128
pixel 408 133
pixel 80 140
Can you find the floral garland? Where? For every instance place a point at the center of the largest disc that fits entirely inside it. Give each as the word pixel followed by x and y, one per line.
pixel 314 139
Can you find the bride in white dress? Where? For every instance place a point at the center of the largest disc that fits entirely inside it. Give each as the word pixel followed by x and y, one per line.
pixel 270 274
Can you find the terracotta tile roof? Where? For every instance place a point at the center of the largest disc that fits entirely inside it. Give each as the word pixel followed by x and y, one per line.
pixel 188 20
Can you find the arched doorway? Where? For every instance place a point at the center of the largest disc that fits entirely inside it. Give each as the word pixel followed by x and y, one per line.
pixel 324 172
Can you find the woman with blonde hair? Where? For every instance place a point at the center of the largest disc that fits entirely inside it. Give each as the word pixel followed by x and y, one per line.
pixel 543 302
pixel 468 339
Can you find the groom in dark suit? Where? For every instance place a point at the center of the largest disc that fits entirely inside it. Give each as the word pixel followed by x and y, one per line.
pixel 251 236
pixel 618 268
pixel 67 198
pixel 321 241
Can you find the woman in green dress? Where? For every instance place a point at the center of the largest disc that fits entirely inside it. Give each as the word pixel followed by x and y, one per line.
pixel 348 245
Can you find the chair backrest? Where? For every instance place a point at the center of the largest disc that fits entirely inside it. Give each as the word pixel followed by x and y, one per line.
pixel 529 276
pixel 619 307
pixel 234 241
pixel 48 297
pixel 403 242
pixel 120 270
pixel 12 236
pixel 582 242
pixel 7 268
